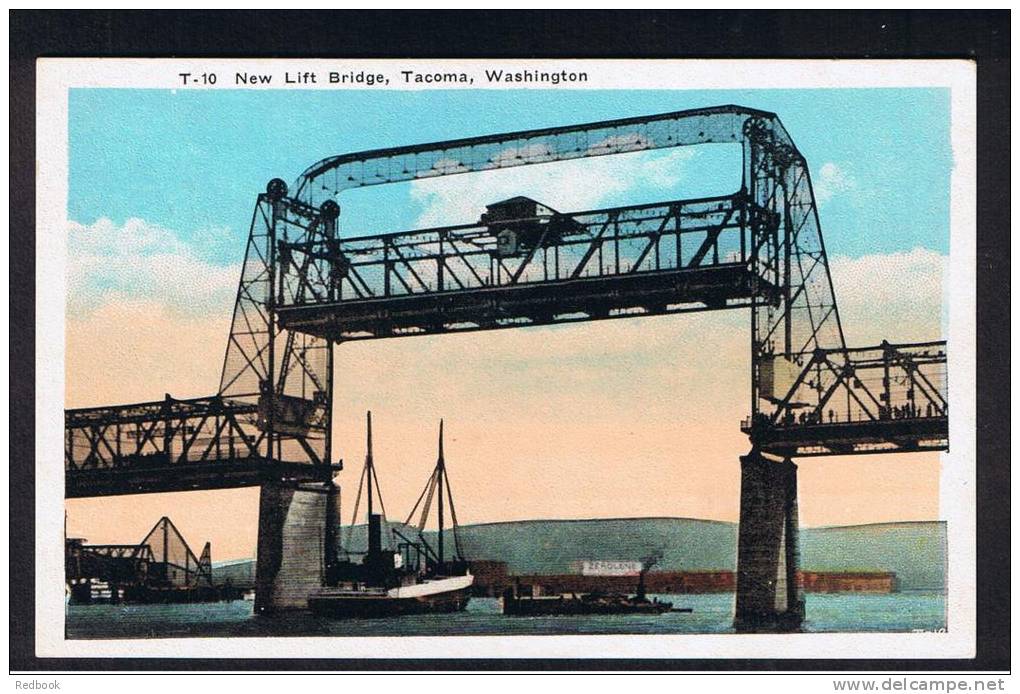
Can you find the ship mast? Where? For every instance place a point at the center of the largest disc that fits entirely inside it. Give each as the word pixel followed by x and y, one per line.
pixel 369 465
pixel 439 482
pixel 367 474
pixel 440 473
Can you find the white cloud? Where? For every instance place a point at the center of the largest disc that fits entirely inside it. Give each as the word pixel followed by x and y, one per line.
pixel 896 296
pixel 566 186
pixel 138 260
pixel 832 180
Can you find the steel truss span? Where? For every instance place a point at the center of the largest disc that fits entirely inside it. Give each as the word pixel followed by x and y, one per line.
pixel 168 445
pixel 305 287
pixel 678 256
pixel 882 399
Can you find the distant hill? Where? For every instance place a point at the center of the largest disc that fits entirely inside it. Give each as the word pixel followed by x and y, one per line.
pixel 915 551
pixel 237 572
pixel 550 546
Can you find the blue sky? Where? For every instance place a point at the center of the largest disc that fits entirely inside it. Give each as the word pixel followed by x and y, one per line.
pixel 191 162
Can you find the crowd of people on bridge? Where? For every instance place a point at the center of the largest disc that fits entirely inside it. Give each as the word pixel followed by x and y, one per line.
pixel 909 410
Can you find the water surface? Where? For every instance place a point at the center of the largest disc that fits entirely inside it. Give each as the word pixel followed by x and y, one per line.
pixel 713 614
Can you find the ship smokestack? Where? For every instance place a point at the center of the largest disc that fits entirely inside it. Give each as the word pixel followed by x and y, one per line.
pixel 374 535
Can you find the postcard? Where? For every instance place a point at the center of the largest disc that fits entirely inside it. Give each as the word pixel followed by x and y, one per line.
pixel 506 358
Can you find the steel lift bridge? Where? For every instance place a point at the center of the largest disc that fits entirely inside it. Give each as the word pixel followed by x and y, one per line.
pixel 306 287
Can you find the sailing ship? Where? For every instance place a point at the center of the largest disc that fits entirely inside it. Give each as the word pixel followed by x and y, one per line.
pixel 412 577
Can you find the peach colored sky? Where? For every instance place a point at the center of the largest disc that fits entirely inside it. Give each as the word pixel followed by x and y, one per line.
pixel 610 419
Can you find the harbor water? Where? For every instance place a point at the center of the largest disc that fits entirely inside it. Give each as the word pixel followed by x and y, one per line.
pixel 712 614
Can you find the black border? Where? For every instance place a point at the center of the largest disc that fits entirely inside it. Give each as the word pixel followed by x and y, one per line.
pixel 982 36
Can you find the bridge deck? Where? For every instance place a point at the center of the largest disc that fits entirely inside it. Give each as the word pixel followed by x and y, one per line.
pixel 649 293
pixel 133 476
pixel 919 433
pixel 885 398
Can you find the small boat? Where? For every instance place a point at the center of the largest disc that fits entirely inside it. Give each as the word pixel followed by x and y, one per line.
pixel 415 578
pixel 521 601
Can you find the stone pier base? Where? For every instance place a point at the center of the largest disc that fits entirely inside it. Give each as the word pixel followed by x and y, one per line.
pixel 768 597
pixel 290 563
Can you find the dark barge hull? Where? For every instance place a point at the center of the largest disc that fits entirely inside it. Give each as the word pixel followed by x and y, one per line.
pixel 531 607
pixel 81 594
pixel 376 606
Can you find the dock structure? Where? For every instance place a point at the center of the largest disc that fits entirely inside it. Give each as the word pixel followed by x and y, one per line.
pixel 306 288
pixel 160 568
pixel 492 578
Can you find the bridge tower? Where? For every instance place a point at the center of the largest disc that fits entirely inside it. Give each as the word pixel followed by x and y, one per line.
pixel 289 377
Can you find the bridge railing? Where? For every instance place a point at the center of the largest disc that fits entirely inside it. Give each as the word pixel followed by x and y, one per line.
pixel 682 234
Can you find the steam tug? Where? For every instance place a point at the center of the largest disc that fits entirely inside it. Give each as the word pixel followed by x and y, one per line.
pixel 521 601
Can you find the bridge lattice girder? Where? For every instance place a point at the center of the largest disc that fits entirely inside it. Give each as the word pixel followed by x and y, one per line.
pixel 882 399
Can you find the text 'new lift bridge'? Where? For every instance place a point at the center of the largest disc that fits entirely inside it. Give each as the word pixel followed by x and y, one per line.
pixel 304 288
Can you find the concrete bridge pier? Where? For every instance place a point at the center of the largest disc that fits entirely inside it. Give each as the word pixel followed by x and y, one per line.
pixel 768 557
pixel 292 544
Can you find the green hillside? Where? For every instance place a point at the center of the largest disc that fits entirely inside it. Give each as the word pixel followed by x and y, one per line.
pixel 916 551
pixel 549 547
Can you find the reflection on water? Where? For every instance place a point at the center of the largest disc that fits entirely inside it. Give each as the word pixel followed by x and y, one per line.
pixel 713 614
